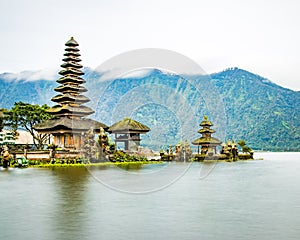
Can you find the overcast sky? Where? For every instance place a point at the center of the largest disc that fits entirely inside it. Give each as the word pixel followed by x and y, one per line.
pixel 261 36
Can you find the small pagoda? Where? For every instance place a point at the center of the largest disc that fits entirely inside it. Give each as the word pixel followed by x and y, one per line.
pixel 70 123
pixel 127 131
pixel 206 141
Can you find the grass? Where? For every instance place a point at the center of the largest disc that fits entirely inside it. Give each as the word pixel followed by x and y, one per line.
pixel 125 165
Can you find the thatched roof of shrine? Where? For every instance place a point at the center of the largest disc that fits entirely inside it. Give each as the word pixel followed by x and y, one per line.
pixel 207 140
pixel 128 125
pixel 71 124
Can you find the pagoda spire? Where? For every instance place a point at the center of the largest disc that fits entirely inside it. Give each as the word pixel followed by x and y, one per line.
pixel 70 98
pixel 206 141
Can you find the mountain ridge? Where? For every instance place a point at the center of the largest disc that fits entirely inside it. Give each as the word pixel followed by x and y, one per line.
pixel 250 107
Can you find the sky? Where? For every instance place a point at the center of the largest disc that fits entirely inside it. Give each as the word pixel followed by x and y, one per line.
pixel 262 37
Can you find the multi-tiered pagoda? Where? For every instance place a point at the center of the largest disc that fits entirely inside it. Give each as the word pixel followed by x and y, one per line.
pixel 70 122
pixel 207 142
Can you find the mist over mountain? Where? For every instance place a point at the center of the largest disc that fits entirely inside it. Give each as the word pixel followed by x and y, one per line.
pixel 242 105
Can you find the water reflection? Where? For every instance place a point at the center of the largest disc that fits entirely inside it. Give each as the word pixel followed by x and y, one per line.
pixel 70 203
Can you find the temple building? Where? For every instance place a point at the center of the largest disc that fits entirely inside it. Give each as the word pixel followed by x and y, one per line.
pixel 206 141
pixel 127 133
pixel 70 123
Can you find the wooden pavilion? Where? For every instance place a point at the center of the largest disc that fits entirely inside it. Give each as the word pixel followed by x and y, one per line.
pixel 128 132
pixel 70 123
pixel 206 141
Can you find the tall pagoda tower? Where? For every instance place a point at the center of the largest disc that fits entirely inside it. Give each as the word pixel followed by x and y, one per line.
pixel 70 122
pixel 70 99
pixel 206 141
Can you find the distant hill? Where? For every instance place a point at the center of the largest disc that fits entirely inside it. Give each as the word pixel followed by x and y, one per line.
pixel 263 113
pixel 242 105
pixel 37 92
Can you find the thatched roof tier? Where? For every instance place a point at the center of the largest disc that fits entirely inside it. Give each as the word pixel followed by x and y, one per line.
pixel 206 122
pixel 128 125
pixel 71 71
pixel 68 110
pixel 73 54
pixel 71 49
pixel 207 140
pixel 72 58
pixel 206 130
pixel 70 98
pixel 71 64
pixel 73 125
pixel 71 43
pixel 70 88
pixel 71 79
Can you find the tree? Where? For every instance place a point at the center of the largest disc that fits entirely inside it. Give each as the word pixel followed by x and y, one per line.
pixel 25 115
pixel 241 143
pixel 247 149
pixel 1 119
pixel 244 147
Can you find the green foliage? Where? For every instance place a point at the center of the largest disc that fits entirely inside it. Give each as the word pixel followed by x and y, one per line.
pixel 241 143
pixel 111 144
pixel 2 121
pixel 101 165
pixel 245 148
pixel 120 156
pixel 25 115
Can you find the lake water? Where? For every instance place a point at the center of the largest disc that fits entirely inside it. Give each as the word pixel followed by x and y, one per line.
pixel 241 200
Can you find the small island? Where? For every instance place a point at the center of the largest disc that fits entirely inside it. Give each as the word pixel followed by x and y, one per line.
pixel 207 148
pixel 229 151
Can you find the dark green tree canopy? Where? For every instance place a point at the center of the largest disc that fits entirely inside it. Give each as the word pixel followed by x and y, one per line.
pixel 25 116
pixel 241 143
pixel 1 119
pixel 244 146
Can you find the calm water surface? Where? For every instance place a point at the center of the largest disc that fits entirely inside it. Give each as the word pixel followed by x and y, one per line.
pixel 242 200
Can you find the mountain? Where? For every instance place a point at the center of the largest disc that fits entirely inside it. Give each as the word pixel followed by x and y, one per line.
pixel 35 92
pixel 242 105
pixel 263 113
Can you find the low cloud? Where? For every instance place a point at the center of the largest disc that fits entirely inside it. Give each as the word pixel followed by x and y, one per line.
pixel 147 58
pixel 47 74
